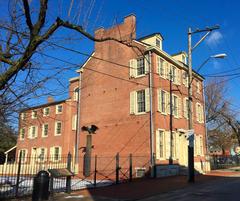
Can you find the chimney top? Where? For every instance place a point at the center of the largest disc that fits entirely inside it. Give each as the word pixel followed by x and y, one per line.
pixel 50 99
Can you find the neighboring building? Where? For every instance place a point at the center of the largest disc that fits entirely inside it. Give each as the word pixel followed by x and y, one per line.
pixel 48 130
pixel 116 97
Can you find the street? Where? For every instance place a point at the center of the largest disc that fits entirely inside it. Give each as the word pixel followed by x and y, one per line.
pixel 226 189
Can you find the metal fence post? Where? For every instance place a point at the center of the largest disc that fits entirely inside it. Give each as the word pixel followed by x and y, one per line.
pixel 117 168
pixel 68 180
pixel 95 172
pixel 130 167
pixel 18 174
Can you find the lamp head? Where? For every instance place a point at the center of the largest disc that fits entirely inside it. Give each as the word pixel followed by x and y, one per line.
pixel 219 56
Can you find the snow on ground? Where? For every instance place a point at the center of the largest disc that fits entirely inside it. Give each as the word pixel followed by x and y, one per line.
pixel 8 185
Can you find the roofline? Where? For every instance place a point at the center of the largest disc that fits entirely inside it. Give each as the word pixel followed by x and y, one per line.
pixel 14 147
pixel 182 52
pixel 73 79
pixel 169 57
pixel 150 35
pixel 85 63
pixel 42 105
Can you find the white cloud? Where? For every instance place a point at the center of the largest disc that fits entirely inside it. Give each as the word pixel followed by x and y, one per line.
pixel 214 38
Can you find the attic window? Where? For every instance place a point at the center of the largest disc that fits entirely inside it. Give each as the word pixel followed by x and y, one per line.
pixel 158 43
pixel 183 59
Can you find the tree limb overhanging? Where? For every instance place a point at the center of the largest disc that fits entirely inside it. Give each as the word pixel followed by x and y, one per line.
pixel 36 39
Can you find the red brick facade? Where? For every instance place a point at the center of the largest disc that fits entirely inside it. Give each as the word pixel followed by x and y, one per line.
pixel 106 87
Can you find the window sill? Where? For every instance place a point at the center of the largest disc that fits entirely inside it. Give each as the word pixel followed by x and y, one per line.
pixel 140 113
pixel 139 76
pixel 58 134
pixel 44 136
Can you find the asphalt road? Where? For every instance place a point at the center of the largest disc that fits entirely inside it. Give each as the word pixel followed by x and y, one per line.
pixel 226 189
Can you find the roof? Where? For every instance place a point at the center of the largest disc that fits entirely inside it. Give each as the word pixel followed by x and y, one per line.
pixel 10 149
pixel 151 35
pixel 182 52
pixel 43 105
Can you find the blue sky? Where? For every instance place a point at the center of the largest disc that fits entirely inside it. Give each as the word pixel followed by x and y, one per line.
pixel 172 19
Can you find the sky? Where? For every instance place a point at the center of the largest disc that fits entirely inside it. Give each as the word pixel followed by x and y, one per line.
pixel 171 18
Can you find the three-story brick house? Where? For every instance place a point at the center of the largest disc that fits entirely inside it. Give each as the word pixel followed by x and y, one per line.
pixel 125 92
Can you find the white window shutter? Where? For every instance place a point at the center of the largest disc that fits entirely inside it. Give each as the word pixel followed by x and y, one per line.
pixel 197 109
pixel 168 103
pixel 157 145
pixel 45 154
pixel 133 67
pixel 60 153
pixel 179 107
pixel 147 100
pixel 159 100
pixel 146 63
pixel 133 102
pixel 177 145
pixel 36 131
pixel 178 76
pixel 166 70
pixel 167 144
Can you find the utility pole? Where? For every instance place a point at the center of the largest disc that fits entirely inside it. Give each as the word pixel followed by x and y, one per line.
pixel 171 121
pixel 190 99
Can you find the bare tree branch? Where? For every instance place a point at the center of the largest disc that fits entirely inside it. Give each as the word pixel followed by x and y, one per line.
pixel 28 16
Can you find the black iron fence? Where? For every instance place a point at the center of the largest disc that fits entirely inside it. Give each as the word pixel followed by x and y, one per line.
pixel 222 162
pixel 16 179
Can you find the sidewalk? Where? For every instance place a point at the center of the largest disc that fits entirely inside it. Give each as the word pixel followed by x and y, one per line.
pixel 142 188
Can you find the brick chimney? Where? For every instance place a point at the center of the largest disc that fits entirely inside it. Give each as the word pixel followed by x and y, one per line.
pixel 50 99
pixel 125 31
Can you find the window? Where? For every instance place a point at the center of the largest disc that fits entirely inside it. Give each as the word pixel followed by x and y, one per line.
pixel 45 130
pixel 34 114
pixel 186 102
pixel 173 74
pixel 75 94
pixel 184 59
pixel 23 116
pixel 175 105
pixel 74 122
pixel 33 132
pixel 160 66
pixel 140 66
pixel 58 128
pixel 46 111
pixel 59 109
pixel 198 87
pixel 42 154
pixel 22 133
pixel 161 143
pixel 55 153
pixel 162 101
pixel 23 154
pixel 141 101
pixel 199 113
pixel 158 43
pixel 173 144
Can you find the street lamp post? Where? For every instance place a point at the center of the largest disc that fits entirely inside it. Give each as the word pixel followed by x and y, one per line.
pixel 190 124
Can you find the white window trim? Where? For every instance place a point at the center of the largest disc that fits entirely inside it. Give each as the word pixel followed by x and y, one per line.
pixel 164 76
pixel 52 153
pixel 55 130
pixel 33 112
pixel 39 152
pixel 23 116
pixel 44 114
pixel 43 130
pixel 164 143
pixel 166 101
pixel 30 132
pixel 25 158
pixel 20 133
pixel 199 115
pixel 75 94
pixel 57 109
pixel 74 122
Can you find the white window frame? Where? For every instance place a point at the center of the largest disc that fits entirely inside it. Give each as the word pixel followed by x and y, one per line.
pixel 161 67
pixel 20 133
pixel 30 134
pixel 52 153
pixel 57 106
pixel 160 109
pixel 185 108
pixel 199 113
pixel 75 94
pixel 39 158
pixel 34 114
pixel 55 132
pixel 43 129
pixel 23 116
pixel 144 70
pixel 198 87
pixel 44 111
pixel 24 160
pixel 158 156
